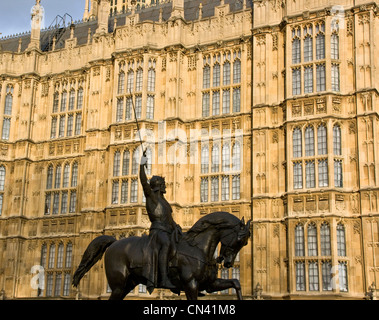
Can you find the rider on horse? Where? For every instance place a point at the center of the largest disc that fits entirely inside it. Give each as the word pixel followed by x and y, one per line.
pixel 162 227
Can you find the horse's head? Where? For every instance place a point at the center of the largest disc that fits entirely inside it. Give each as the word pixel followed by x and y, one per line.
pixel 232 242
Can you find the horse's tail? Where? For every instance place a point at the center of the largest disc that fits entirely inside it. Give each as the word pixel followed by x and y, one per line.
pixel 93 253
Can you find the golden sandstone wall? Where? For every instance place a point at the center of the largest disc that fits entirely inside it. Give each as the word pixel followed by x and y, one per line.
pixel 270 116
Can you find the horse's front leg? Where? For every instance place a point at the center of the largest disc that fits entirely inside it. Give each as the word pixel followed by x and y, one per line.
pixel 223 284
pixel 192 290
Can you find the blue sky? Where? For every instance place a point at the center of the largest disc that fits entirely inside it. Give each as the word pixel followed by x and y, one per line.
pixel 15 14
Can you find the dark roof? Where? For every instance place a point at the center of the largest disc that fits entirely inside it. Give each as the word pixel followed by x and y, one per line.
pixel 191 12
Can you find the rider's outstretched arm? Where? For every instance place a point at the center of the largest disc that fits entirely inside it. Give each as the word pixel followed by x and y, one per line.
pixel 145 185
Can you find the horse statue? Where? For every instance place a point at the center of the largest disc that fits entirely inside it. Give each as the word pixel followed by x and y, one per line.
pixel 192 267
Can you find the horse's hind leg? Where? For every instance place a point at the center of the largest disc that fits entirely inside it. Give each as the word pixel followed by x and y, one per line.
pixel 119 292
pixel 191 290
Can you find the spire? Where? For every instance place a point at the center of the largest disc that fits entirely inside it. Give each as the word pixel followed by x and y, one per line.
pixel 86 11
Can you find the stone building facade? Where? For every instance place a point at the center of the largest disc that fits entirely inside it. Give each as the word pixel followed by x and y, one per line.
pixel 265 109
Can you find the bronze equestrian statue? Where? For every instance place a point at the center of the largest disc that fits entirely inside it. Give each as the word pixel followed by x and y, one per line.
pixel 168 258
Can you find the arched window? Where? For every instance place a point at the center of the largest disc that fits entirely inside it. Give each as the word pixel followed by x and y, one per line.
pixel 116 164
pixel 322 145
pixel 125 162
pixel 58 174
pixel 215 159
pixel 341 240
pixel 204 189
pixel 299 241
pixel 68 262
pixel 135 161
pixel 50 172
pixel 2 178
pixel 334 46
pixel 43 255
pixel 79 104
pixel 115 189
pixel 151 79
pixel 56 102
pixel 205 159
pixel 325 239
pixel 60 255
pixel 74 175
pixel 51 256
pixel 149 156
pixel 308 48
pixel 216 75
pixel 320 41
pixel 226 73
pixel 130 84
pixel 71 100
pixel 309 142
pixel 312 240
pixel 139 78
pixel 225 157
pixel 237 71
pixel 121 82
pixel 66 176
pixel 8 104
pixel 236 156
pixel 63 101
pixel 337 140
pixel 206 77
pixel 236 187
pixel 297 143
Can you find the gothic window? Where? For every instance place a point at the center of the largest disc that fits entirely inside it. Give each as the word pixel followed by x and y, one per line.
pixel 308 43
pixel 60 255
pixel 139 106
pixel 297 143
pixel 310 174
pixel 334 46
pixel 236 99
pixel 236 156
pixel 70 125
pixel 323 180
pixel 341 240
pixel 139 78
pixel 206 104
pixel 335 77
pixel 72 201
pixel 320 77
pixel 226 101
pixel 121 82
pixel 296 55
pixel 115 188
pixel 205 159
pixel 134 191
pixel 325 240
pixel 236 186
pixel 215 159
pixel 124 191
pixel 8 101
pixel 299 241
pixel 214 189
pixel 43 255
pixel 51 256
pixel 226 73
pixel 120 110
pixel 6 128
pixel 204 189
pixel 215 103
pixel 64 202
pixel 225 188
pixel 130 81
pixel 2 184
pixel 58 173
pixel 135 161
pixel 149 156
pixel 62 125
pixel 49 183
pixel 313 276
pixel 338 179
pixel 300 276
pixel 309 142
pixel 337 140
pixel 206 77
pixel 74 175
pixel 237 68
pixel 116 164
pixel 53 132
pixel 297 175
pixel 216 75
pixel 296 81
pixel 320 41
pixel 56 102
pixel 71 100
pixel 312 240
pixel 322 145
pixel 150 107
pixel 342 272
pixel 129 108
pixel 125 163
pixel 151 76
pixel 63 101
pixel 308 79
pixel 225 157
pixel 66 176
pixel 80 97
